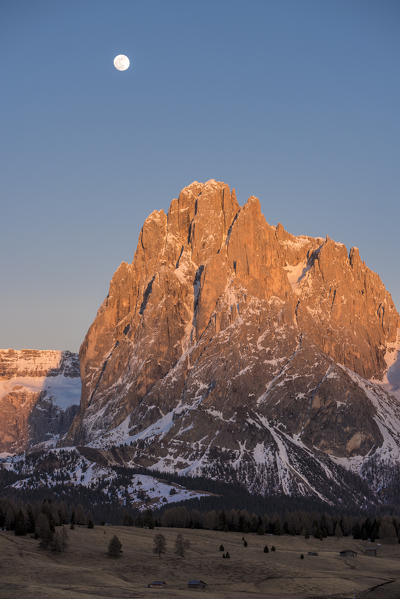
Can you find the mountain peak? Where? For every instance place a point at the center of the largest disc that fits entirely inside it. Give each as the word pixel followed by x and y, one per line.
pixel 227 330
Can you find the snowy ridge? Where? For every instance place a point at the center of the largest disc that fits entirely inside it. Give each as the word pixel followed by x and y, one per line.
pixel 27 360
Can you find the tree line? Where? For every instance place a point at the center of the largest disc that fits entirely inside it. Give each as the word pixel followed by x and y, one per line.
pixel 44 518
pixel 291 523
pixel 45 521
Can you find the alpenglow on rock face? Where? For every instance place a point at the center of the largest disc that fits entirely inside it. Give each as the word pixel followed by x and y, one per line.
pixel 233 349
pixel 39 396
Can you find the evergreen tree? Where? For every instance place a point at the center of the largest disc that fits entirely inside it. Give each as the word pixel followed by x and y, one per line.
pixel 62 513
pixel 346 525
pixel 10 519
pixel 356 531
pixel 20 527
pixel 148 519
pixel 210 520
pixel 159 545
pixel 114 547
pixel 222 524
pixel 387 530
pixel 245 520
pixel 43 530
pixel 338 530
pixel 366 529
pixel 181 545
pixel 48 510
pixel 276 527
pixel 59 541
pixel 127 520
pixel 316 530
pixel 30 520
pixel 374 530
pixel 80 516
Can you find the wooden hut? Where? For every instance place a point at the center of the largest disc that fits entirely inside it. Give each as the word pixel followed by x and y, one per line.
pixel 348 553
pixel 197 584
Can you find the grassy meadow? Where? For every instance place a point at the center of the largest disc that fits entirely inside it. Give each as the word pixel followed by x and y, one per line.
pixel 85 571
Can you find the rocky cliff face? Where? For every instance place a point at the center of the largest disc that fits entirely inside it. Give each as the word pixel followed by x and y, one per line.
pixel 39 396
pixel 231 348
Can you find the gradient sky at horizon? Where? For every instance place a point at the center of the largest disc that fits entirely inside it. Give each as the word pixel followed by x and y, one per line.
pixel 296 102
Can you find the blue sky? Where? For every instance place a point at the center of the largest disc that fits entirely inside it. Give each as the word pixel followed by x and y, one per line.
pixel 296 102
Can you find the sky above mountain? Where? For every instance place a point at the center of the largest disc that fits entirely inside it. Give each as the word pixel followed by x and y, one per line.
pixel 294 102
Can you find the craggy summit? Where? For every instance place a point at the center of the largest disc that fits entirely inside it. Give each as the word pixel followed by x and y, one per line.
pixel 231 348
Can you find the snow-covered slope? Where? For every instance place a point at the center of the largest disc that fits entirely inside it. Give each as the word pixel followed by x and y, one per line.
pixel 259 444
pixel 62 468
pixel 64 391
pixel 391 378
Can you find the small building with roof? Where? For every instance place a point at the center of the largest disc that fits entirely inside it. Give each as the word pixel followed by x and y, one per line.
pixel 348 553
pixel 157 584
pixel 197 584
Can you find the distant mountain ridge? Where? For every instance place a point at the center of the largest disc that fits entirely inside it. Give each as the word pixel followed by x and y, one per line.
pixel 39 396
pixel 232 349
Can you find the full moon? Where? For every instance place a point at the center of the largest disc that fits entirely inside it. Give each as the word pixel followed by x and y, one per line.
pixel 121 62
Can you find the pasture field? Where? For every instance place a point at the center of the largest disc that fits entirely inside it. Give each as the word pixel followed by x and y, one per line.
pixel 85 571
